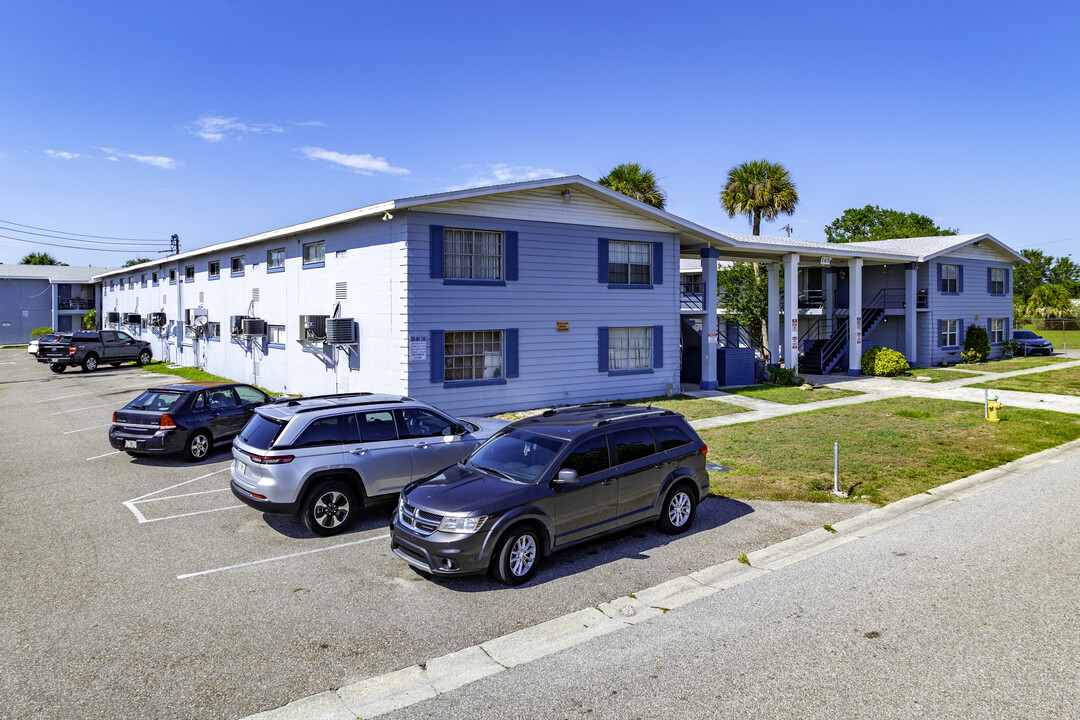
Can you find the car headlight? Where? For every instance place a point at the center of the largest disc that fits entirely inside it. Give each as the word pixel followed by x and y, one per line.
pixel 463 525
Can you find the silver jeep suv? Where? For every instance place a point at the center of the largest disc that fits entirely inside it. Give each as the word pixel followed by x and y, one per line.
pixel 323 458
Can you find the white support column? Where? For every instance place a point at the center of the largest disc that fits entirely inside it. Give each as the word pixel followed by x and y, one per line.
pixel 709 331
pixel 911 294
pixel 855 304
pixel 791 310
pixel 773 325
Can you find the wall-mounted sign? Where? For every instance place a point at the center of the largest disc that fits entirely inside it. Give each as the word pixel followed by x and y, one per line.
pixel 562 326
pixel 418 347
pixel 826 261
pixel 714 338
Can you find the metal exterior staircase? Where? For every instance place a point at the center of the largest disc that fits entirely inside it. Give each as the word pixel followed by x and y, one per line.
pixel 826 346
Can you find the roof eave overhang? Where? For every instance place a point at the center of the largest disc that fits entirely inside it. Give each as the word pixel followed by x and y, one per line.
pixel 1017 257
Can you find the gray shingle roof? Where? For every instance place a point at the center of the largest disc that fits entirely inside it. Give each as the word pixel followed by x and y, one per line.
pixel 52 273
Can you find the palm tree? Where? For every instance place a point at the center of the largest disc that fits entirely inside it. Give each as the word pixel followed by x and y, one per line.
pixel 759 189
pixel 637 182
pixel 1049 301
pixel 39 258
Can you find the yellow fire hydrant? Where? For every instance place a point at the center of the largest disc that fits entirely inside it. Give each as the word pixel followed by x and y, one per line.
pixel 992 407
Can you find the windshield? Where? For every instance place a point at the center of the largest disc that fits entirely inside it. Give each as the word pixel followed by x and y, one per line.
pixel 260 432
pixel 157 400
pixel 517 454
pixel 1024 335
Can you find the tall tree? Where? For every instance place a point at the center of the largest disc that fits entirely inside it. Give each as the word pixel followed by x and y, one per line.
pixel 876 223
pixel 759 190
pixel 637 182
pixel 1028 277
pixel 136 261
pixel 1049 301
pixel 39 258
pixel 743 293
pixel 1066 273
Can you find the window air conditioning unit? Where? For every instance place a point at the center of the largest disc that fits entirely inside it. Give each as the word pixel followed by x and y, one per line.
pixel 236 326
pixel 191 313
pixel 157 319
pixel 114 318
pixel 313 327
pixel 340 331
pixel 132 319
pixel 252 326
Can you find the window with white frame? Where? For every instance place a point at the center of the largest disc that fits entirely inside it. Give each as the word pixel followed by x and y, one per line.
pixel 472 254
pixel 473 355
pixel 213 268
pixel 237 265
pixel 949 274
pixel 275 259
pixel 997 281
pixel 275 334
pixel 629 263
pixel 189 273
pixel 997 330
pixel 629 348
pixel 315 252
pixel 948 333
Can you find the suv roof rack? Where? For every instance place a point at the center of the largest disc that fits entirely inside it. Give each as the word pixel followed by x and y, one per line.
pixel 632 416
pixel 583 406
pixel 364 398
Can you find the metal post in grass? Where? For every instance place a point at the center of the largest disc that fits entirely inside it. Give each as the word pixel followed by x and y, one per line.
pixel 836 471
pixel 986 404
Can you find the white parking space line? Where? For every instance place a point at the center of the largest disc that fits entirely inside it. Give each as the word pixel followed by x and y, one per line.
pixel 96 427
pixel 201 477
pixel 98 457
pixel 174 497
pixel 173 517
pixel 64 397
pixel 61 412
pixel 282 557
pixel 149 497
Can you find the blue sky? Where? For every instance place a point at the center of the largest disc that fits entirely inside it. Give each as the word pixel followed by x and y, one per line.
pixel 220 120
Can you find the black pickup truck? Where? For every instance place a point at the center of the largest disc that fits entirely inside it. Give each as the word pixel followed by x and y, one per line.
pixel 91 348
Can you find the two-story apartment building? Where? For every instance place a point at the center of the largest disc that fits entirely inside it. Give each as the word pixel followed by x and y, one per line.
pixel 53 296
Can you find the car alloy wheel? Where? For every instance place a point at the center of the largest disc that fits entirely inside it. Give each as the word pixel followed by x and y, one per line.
pixel 515 558
pixel 198 446
pixel 328 510
pixel 677 512
pixel 678 509
pixel 523 555
pixel 144 357
pixel 331 509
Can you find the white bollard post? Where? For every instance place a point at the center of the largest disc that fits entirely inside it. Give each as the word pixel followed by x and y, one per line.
pixel 836 468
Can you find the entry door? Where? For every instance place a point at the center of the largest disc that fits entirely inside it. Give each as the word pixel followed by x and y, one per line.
pixel 63 323
pixel 588 506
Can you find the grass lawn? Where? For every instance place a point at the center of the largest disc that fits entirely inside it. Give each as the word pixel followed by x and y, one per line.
pixel 889 449
pixel 1072 337
pixel 1060 382
pixel 790 395
pixel 1016 363
pixel 691 407
pixel 936 375
pixel 192 374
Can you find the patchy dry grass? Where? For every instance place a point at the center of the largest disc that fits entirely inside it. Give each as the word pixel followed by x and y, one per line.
pixel 788 395
pixel 1017 363
pixel 889 449
pixel 1065 381
pixel 691 407
pixel 936 375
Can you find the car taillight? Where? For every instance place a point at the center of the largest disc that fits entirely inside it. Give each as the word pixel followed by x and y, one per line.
pixel 114 417
pixel 72 349
pixel 704 450
pixel 166 422
pixel 271 459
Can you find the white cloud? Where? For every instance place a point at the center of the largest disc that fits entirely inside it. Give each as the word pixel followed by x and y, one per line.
pixel 215 129
pixel 310 123
pixel 160 161
pixel 362 163
pixel 502 173
pixel 63 155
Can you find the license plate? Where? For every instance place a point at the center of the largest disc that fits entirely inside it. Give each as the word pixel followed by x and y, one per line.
pixel 131 444
pixel 241 468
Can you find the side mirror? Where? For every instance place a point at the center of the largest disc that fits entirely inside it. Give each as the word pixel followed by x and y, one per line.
pixel 566 476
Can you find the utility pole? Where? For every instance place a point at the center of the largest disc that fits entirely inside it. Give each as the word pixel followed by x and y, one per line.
pixel 786 227
pixel 174 244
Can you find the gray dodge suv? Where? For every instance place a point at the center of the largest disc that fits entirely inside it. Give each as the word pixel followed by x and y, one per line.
pixel 322 458
pixel 549 482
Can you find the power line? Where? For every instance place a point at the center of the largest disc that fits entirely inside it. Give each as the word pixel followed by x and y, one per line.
pixel 90 243
pixel 100 237
pixel 78 247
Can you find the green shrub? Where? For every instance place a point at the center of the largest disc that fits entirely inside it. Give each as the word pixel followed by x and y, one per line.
pixel 976 344
pixel 38 332
pixel 883 362
pixel 89 320
pixel 783 376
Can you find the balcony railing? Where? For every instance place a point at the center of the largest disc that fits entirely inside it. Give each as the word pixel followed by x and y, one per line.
pixel 76 304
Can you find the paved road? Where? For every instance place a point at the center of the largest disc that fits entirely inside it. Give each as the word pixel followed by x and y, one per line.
pixel 971 611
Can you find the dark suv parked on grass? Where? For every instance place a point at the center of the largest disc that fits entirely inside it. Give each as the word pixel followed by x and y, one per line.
pixel 548 482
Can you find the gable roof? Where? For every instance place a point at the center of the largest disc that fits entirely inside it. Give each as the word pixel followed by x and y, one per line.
pixel 919 249
pixel 53 273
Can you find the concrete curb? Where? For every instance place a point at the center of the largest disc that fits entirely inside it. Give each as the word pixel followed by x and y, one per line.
pixel 378 695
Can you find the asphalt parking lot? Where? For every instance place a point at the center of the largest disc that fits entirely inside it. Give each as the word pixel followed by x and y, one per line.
pixel 138 588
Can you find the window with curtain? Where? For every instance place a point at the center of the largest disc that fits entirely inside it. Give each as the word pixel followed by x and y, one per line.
pixel 997 330
pixel 997 281
pixel 275 258
pixel 948 333
pixel 473 355
pixel 315 252
pixel 472 254
pixel 948 278
pixel 629 348
pixel 629 263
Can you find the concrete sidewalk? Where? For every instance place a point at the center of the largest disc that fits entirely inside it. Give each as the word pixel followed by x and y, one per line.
pixel 878 388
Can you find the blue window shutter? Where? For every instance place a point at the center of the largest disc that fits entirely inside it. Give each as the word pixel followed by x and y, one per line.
pixel 1007 273
pixel 959 278
pixel 510 350
pixel 602 262
pixel 960 333
pixel 940 331
pixel 438 347
pixel 989 282
pixel 602 349
pixel 658 345
pixel 1008 333
pixel 435 252
pixel 658 263
pixel 939 277
pixel 511 255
